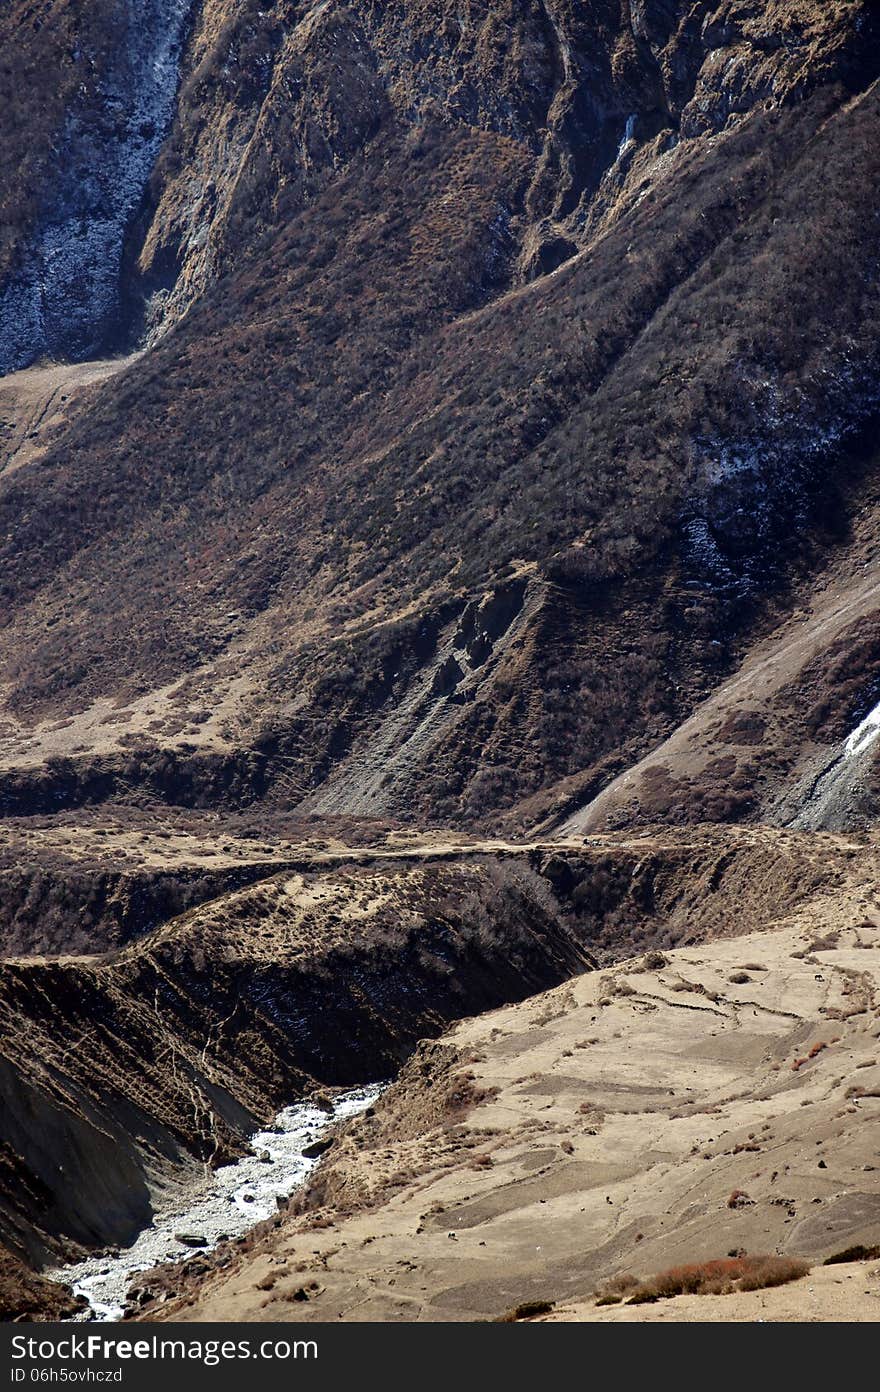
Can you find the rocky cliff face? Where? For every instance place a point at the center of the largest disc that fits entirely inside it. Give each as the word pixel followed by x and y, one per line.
pixel 266 102
pixel 62 292
pixel 277 98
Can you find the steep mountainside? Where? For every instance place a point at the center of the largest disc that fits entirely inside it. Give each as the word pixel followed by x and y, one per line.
pixel 485 347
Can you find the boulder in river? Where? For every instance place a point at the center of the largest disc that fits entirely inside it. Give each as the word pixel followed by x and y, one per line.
pixel 311 1152
pixel 191 1239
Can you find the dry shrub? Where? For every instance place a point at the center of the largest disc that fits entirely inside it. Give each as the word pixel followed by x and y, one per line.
pixel 613 1291
pixel 720 1277
pixel 853 1254
pixel 772 1271
pixel 739 1199
pixel 529 1309
pixel 817 1049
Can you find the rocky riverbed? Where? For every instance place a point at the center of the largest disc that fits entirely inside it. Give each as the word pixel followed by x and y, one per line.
pixel 231 1200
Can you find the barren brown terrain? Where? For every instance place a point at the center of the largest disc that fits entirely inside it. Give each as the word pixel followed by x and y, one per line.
pixel 122 1067
pixel 493 405
pixel 440 646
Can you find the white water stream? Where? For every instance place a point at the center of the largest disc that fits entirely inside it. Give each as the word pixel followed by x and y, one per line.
pixel 232 1200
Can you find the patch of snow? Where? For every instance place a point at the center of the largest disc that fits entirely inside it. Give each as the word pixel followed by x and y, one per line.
pixel 232 1200
pixel 864 735
pixel 627 139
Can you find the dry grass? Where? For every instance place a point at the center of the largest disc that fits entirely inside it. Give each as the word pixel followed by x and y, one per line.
pixel 615 1290
pixel 720 1277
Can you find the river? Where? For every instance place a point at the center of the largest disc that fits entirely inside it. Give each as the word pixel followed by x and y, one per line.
pixel 232 1200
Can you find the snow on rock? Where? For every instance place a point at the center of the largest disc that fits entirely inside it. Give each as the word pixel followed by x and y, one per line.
pixel 63 298
pixel 834 794
pixel 863 735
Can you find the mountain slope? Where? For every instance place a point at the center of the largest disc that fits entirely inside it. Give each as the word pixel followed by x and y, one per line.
pixel 571 289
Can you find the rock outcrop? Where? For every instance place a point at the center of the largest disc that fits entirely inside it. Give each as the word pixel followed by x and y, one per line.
pixel 62 294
